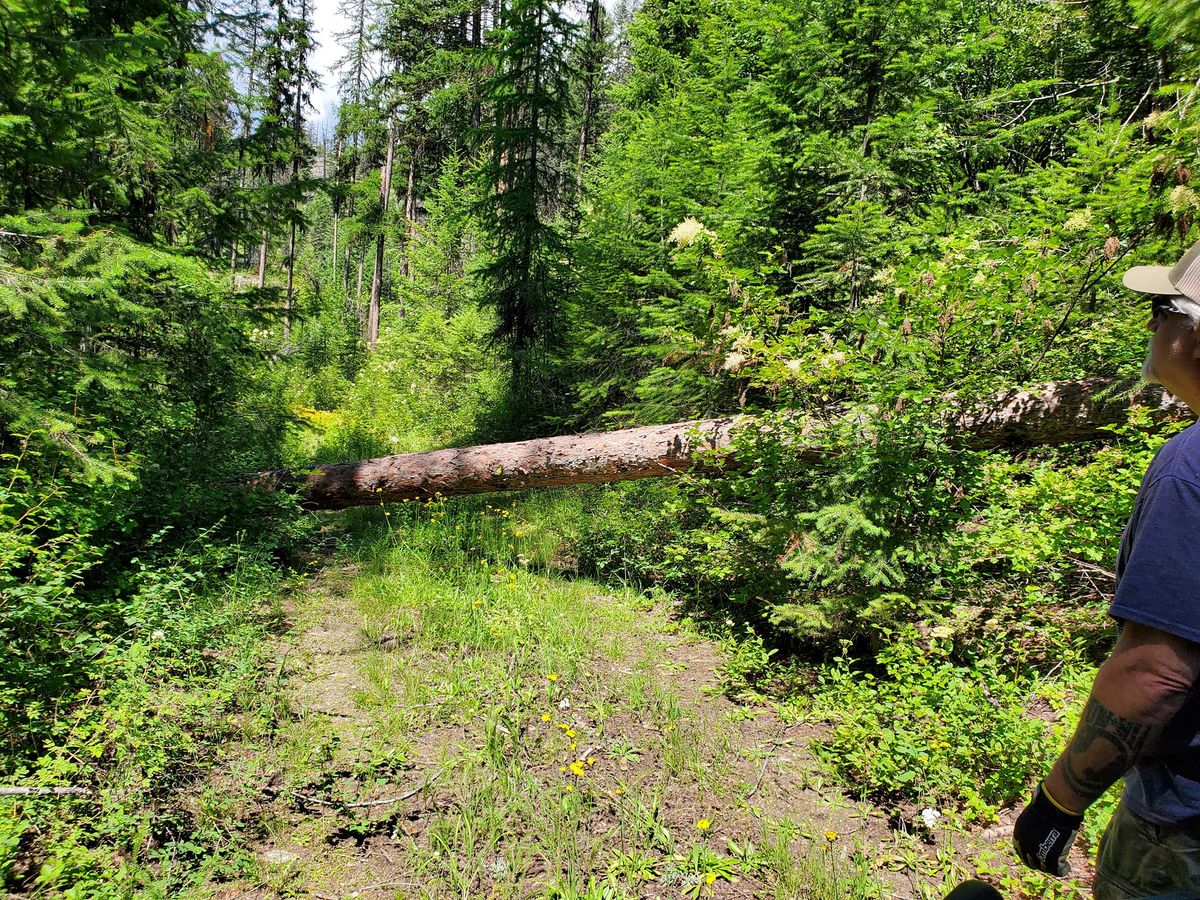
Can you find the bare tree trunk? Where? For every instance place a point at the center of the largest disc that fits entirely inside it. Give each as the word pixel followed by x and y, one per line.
pixel 291 271
pixel 1058 413
pixel 262 260
pixel 410 196
pixel 476 42
pixel 376 286
pixel 298 137
pixel 333 260
pixel 591 67
pixel 410 217
pixel 362 255
pixel 385 190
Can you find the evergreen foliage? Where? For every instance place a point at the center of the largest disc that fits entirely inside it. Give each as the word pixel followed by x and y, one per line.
pixel 846 217
pixel 133 382
pixel 523 177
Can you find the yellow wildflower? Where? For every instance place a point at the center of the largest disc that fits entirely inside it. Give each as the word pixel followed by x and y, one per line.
pixel 553 676
pixel 562 769
pixel 546 717
pixel 704 824
pixel 710 877
pixel 577 769
pixel 570 732
pixel 574 744
pixel 591 760
pixel 569 788
pixel 831 835
pixel 619 791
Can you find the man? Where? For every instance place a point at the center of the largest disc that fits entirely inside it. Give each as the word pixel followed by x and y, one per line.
pixel 1142 719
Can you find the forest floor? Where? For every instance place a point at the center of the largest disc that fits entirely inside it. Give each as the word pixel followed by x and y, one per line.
pixel 462 729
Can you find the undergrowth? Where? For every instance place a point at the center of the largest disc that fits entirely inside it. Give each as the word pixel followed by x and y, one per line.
pixel 193 674
pixel 568 765
pixel 924 719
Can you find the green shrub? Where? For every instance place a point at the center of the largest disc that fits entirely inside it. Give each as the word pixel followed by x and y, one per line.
pixel 131 388
pixel 191 672
pixel 925 730
pixel 431 384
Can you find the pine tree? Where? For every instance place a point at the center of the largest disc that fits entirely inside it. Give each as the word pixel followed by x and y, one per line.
pixel 280 143
pixel 303 82
pixel 592 61
pixel 523 179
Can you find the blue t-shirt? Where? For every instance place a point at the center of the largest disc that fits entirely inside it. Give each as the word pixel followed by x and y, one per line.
pixel 1158 584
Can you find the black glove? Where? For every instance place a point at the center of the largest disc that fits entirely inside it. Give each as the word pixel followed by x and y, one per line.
pixel 1044 834
pixel 974 890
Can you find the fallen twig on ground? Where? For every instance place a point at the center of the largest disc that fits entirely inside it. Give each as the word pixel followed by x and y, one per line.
pixel 18 791
pixel 364 803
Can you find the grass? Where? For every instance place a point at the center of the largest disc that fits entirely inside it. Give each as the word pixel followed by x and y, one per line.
pixel 544 718
pixel 453 713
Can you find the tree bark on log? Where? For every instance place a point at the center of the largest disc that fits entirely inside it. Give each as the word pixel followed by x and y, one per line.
pixel 1057 413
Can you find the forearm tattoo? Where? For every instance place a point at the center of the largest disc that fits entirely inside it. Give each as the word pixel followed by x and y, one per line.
pixel 1104 748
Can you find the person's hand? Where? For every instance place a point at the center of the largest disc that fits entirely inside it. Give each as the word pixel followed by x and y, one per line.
pixel 1044 834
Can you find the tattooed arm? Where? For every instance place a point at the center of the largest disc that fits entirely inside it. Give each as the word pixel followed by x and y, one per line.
pixel 1137 691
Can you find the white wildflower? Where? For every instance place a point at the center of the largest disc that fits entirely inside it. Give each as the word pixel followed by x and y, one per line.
pixel 687 231
pixel 930 817
pixel 1078 221
pixel 734 362
pixel 1183 199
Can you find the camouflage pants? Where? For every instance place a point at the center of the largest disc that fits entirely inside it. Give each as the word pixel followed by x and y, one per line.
pixel 1138 859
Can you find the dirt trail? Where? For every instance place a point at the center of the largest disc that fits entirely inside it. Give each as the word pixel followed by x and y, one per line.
pixel 361 796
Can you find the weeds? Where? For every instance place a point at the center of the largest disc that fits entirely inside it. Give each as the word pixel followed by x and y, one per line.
pixel 197 677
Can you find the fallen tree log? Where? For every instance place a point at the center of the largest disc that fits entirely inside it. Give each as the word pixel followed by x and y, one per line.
pixel 1054 414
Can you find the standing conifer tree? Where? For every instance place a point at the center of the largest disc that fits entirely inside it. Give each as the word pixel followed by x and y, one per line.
pixel 592 59
pixel 303 82
pixel 358 69
pixel 280 144
pixel 526 143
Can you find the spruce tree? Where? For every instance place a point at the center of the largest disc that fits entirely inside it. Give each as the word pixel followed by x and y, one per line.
pixel 525 145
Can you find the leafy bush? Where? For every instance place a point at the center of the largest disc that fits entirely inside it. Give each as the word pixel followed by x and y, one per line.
pixel 194 675
pixel 920 729
pixel 429 385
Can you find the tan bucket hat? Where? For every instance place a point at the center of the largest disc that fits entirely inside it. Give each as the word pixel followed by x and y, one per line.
pixel 1181 278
